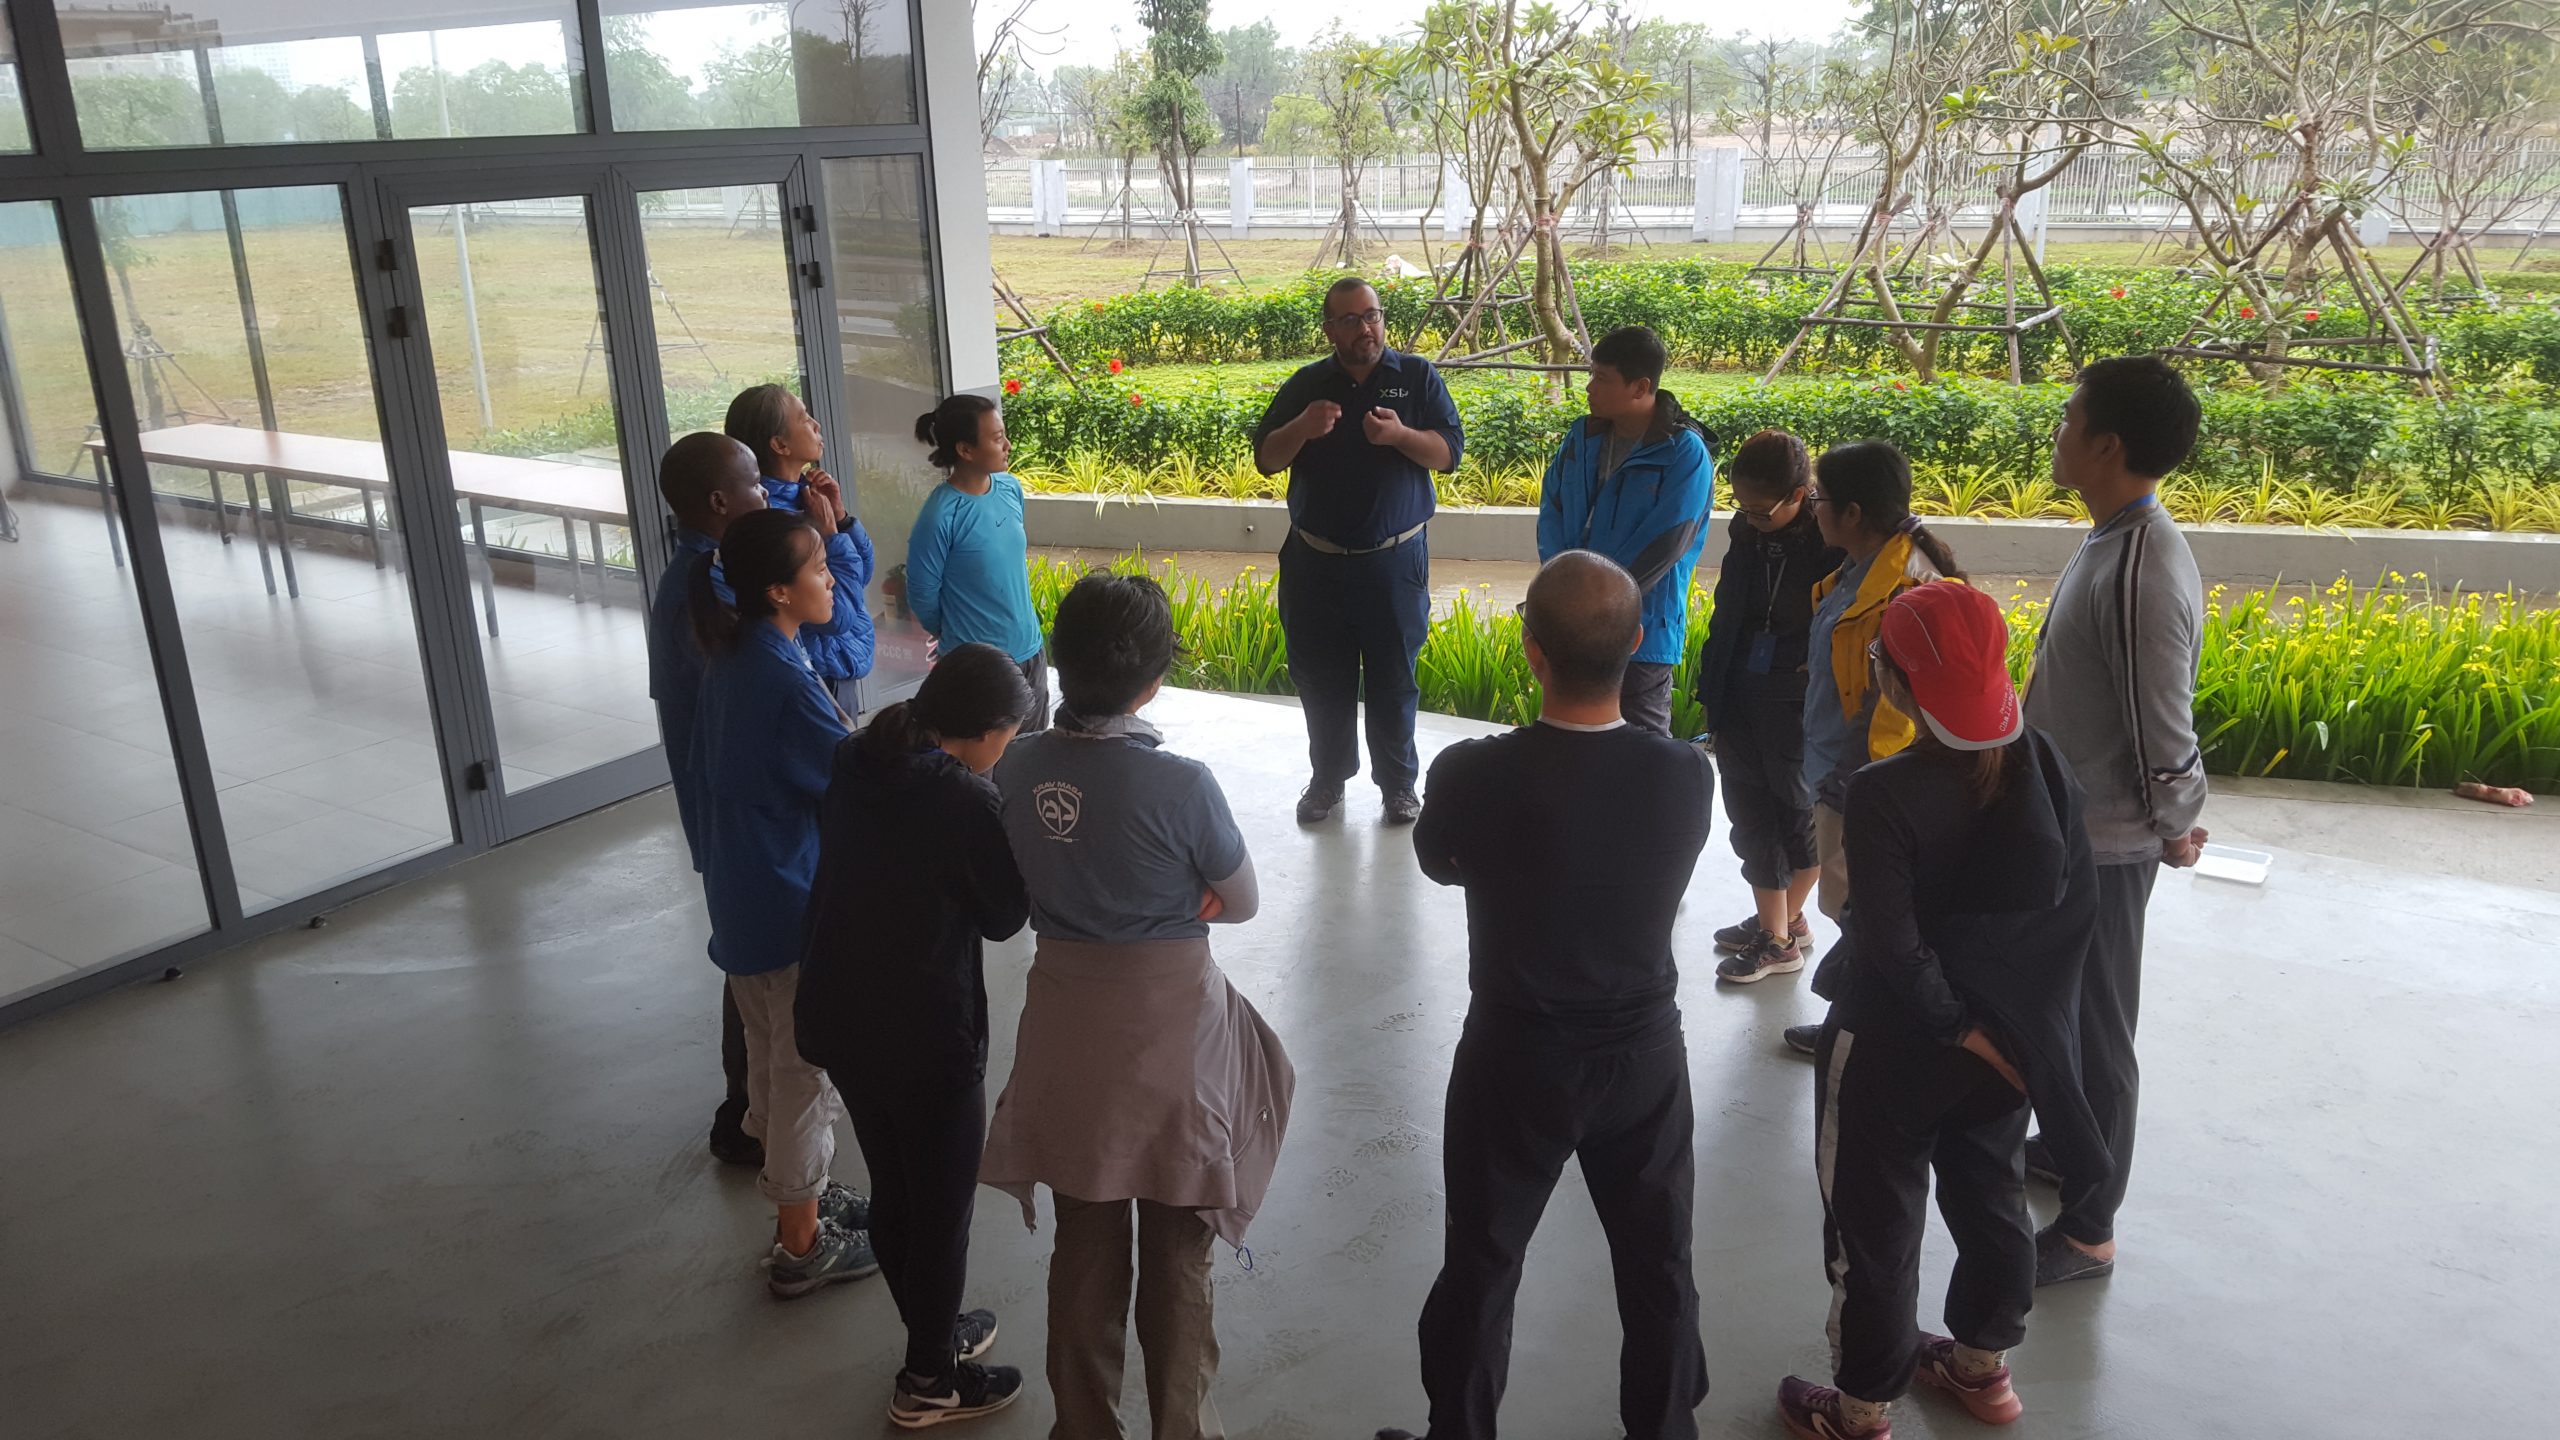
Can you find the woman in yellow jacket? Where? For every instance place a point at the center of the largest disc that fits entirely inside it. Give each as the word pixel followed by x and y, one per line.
pixel 1862 500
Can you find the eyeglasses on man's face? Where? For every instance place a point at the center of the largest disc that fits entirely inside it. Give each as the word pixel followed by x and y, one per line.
pixel 1772 512
pixel 1365 320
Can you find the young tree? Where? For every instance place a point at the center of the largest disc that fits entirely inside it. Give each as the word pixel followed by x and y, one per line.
pixel 2482 100
pixel 1348 87
pixel 1252 73
pixel 1171 110
pixel 1789 108
pixel 1004 69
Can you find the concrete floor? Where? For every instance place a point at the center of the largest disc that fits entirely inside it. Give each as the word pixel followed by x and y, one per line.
pixel 436 1169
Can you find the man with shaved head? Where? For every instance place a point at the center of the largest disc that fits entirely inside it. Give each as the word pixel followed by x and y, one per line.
pixel 1574 839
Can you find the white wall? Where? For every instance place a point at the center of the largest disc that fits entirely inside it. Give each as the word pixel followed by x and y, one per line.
pixel 960 187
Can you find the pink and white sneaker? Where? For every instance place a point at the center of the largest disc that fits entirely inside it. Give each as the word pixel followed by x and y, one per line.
pixel 1812 1412
pixel 1989 1398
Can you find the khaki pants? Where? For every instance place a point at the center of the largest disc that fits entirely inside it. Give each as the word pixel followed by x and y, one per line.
pixel 1831 895
pixel 1089 1319
pixel 791 1106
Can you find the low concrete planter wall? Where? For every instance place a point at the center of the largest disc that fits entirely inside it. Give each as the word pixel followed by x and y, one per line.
pixel 2248 554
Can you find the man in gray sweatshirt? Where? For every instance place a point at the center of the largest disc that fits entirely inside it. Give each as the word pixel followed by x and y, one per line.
pixel 2114 686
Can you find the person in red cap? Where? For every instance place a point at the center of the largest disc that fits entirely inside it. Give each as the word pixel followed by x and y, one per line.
pixel 1955 1002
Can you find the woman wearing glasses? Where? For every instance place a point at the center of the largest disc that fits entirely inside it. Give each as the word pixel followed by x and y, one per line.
pixel 1752 679
pixel 1861 499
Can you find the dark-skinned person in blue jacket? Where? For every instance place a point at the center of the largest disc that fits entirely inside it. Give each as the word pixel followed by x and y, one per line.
pixel 708 480
pixel 764 740
pixel 1633 480
pixel 1955 1000
pixel 772 422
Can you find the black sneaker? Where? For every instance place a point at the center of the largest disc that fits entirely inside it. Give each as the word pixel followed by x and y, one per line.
pixel 2040 1164
pixel 732 1145
pixel 1403 807
pixel 2058 1260
pixel 850 1209
pixel 1317 803
pixel 1801 1038
pixel 1740 934
pixel 1766 955
pixel 969 1391
pixel 976 1332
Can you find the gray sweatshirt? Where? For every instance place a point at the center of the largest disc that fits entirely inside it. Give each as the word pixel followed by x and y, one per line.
pixel 2114 682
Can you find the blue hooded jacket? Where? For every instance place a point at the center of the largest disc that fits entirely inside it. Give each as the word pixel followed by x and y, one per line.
pixel 841 648
pixel 675 672
pixel 1651 516
pixel 764 740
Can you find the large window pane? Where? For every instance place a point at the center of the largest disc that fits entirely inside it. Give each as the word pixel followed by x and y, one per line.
pixel 720 288
pixel 245 340
pixel 13 105
pixel 96 861
pixel 720 65
pixel 524 370
pixel 269 72
pixel 891 326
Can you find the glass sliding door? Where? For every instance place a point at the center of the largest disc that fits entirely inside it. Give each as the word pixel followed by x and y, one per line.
pixel 721 296
pixel 244 340
pixel 524 379
pixel 97 861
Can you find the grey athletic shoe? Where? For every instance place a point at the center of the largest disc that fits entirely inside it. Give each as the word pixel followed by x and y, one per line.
pixel 840 1254
pixel 848 1208
pixel 2058 1260
pixel 976 1333
pixel 1740 934
pixel 1317 803
pixel 1801 1038
pixel 1765 956
pixel 1403 807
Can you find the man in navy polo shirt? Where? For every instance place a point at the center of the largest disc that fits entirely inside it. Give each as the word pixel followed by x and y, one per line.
pixel 1359 434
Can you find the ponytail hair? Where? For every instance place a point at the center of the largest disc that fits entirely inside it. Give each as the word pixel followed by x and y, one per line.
pixel 1772 462
pixel 1872 475
pixel 759 550
pixel 955 422
pixel 971 691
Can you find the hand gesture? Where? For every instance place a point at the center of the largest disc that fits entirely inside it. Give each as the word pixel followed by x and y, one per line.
pixel 825 484
pixel 1211 907
pixel 1317 420
pixel 2183 851
pixel 822 511
pixel 1978 1043
pixel 1384 426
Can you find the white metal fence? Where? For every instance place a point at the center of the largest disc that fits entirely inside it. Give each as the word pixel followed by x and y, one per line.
pixel 2103 188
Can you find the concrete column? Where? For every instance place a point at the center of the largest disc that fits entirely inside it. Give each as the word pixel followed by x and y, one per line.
pixel 1240 198
pixel 2035 216
pixel 1719 196
pixel 1056 191
pixel 968 302
pixel 1040 198
pixel 1457 202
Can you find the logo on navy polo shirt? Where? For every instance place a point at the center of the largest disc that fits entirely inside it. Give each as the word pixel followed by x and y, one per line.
pixel 1059 806
pixel 1393 394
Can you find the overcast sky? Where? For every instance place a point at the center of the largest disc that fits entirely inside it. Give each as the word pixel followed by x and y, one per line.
pixel 1081 30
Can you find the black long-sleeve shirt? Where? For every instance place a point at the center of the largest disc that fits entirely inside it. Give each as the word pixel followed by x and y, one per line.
pixel 1574 847
pixel 914 877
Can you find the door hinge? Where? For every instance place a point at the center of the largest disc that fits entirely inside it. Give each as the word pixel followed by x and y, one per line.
pixel 399 322
pixel 386 256
pixel 476 775
pixel 807 215
pixel 816 274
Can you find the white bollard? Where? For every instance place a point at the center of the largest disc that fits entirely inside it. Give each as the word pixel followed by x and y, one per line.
pixel 1719 195
pixel 1240 198
pixel 2035 215
pixel 1457 203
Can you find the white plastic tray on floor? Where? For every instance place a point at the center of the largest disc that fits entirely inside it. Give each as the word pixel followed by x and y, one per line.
pixel 2230 862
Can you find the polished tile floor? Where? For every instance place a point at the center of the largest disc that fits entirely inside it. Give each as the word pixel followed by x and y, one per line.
pixel 314 711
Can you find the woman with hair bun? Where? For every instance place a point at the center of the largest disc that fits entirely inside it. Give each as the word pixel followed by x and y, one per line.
pixel 914 877
pixel 968 558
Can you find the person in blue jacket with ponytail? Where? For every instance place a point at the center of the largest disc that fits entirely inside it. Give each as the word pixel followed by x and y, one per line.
pixel 1634 481
pixel 771 421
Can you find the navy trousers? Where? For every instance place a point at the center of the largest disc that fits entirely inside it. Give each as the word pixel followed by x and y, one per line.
pixel 1354 624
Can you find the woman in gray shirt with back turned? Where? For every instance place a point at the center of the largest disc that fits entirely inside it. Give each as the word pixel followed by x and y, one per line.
pixel 1140 1079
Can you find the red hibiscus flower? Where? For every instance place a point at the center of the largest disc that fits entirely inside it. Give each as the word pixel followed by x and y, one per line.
pixel 1013 387
pixel 1097 307
pixel 2248 312
pixel 2117 293
pixel 1115 367
pixel 1137 399
pixel 2310 317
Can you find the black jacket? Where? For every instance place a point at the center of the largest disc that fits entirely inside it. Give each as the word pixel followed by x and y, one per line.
pixel 1746 572
pixel 1963 916
pixel 914 877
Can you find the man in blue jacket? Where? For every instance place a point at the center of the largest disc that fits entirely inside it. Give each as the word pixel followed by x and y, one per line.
pixel 1634 481
pixel 708 480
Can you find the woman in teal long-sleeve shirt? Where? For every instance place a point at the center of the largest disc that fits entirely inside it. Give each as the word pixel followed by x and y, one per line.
pixel 968 558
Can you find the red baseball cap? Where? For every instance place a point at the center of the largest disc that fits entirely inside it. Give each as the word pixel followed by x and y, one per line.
pixel 1952 645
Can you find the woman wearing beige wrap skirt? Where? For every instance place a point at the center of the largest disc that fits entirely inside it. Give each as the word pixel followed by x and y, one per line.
pixel 1146 1093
